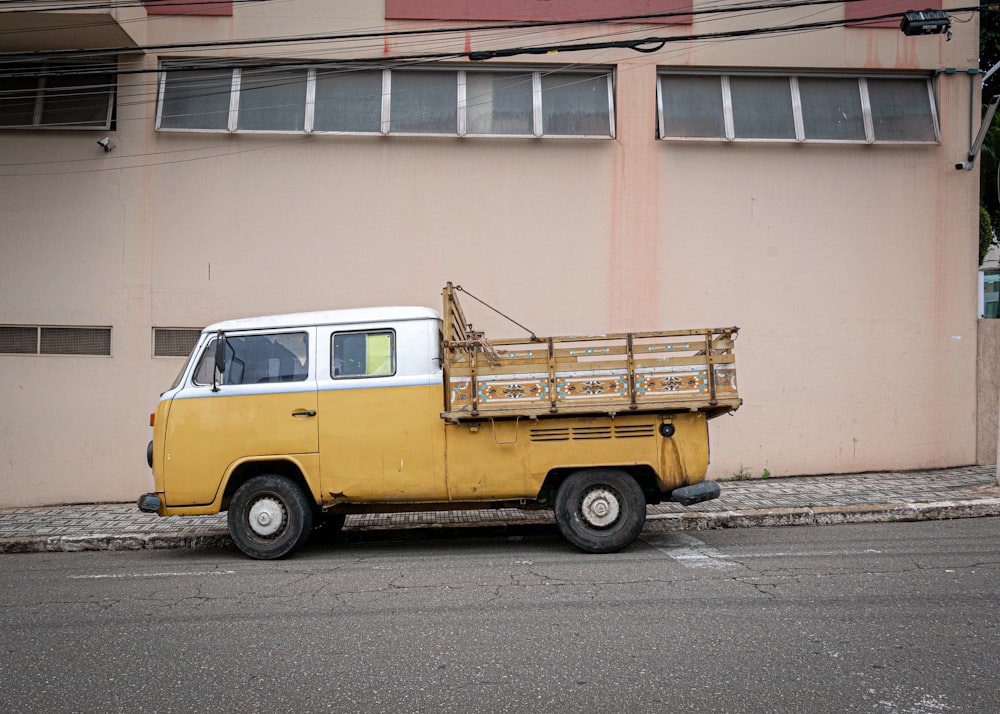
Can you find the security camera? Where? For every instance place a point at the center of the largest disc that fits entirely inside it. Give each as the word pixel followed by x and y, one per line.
pixel 105 143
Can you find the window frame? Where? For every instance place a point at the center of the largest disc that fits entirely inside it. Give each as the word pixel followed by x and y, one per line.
pixel 391 332
pixel 42 91
pixel 385 128
pixel 231 118
pixel 236 95
pixel 279 385
pixel 796 98
pixel 794 102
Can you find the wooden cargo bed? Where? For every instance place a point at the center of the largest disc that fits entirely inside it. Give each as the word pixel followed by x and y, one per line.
pixel 683 370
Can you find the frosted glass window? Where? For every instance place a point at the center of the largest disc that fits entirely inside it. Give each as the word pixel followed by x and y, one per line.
pixel 272 100
pixel 575 105
pixel 498 103
pixel 424 102
pixel 353 100
pixel 196 100
pixel 831 108
pixel 174 341
pixel 692 106
pixel 31 339
pixel 762 108
pixel 17 339
pixel 901 110
pixel 75 341
pixel 348 101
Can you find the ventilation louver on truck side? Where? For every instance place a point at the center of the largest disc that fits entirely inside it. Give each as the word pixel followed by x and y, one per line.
pixel 582 433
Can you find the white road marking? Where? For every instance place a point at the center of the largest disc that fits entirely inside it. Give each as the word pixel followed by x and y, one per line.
pixel 689 551
pixel 695 553
pixel 808 554
pixel 102 576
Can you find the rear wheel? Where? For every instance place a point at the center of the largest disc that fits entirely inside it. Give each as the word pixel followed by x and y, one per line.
pixel 600 510
pixel 269 517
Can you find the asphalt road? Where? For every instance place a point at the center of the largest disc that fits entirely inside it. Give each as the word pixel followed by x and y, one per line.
pixel 868 618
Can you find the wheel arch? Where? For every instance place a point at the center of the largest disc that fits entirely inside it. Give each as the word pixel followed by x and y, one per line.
pixel 644 475
pixel 246 470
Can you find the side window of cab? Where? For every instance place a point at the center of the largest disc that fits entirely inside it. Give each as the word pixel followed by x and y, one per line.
pixel 364 354
pixel 257 359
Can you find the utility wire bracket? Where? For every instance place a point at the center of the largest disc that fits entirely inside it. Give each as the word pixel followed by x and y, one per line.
pixel 970 160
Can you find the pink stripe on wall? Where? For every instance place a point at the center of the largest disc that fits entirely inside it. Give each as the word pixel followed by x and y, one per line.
pixel 180 7
pixel 501 10
pixel 855 12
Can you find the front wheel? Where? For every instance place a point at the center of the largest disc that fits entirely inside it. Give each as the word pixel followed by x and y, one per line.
pixel 600 510
pixel 269 517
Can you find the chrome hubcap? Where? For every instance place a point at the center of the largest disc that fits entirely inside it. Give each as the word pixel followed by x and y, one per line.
pixel 266 517
pixel 600 508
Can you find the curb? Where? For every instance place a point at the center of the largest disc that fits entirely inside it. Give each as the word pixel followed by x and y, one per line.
pixel 655 523
pixel 825 515
pixel 121 541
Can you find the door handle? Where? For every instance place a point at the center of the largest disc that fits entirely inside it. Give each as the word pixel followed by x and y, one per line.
pixel 304 414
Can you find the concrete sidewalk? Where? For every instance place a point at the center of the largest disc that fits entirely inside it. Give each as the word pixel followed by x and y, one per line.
pixel 965 492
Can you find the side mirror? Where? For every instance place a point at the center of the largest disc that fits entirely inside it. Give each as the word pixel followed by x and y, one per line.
pixel 220 360
pixel 220 353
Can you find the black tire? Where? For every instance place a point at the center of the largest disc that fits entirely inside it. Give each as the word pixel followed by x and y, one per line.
pixel 600 510
pixel 327 527
pixel 269 517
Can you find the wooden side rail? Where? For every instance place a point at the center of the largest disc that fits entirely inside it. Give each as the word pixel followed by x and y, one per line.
pixel 626 372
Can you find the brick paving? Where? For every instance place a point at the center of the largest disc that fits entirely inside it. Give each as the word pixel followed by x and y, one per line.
pixel 123 525
pixel 965 483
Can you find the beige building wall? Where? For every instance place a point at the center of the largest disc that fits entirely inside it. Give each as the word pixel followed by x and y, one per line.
pixel 851 270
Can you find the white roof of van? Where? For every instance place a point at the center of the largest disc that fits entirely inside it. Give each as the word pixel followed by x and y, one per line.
pixel 357 316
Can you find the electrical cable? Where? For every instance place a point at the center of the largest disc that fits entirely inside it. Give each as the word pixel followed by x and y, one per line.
pixel 647 44
pixel 140 97
pixel 384 35
pixel 112 4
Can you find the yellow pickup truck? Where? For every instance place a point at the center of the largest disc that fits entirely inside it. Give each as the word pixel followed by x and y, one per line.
pixel 290 422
